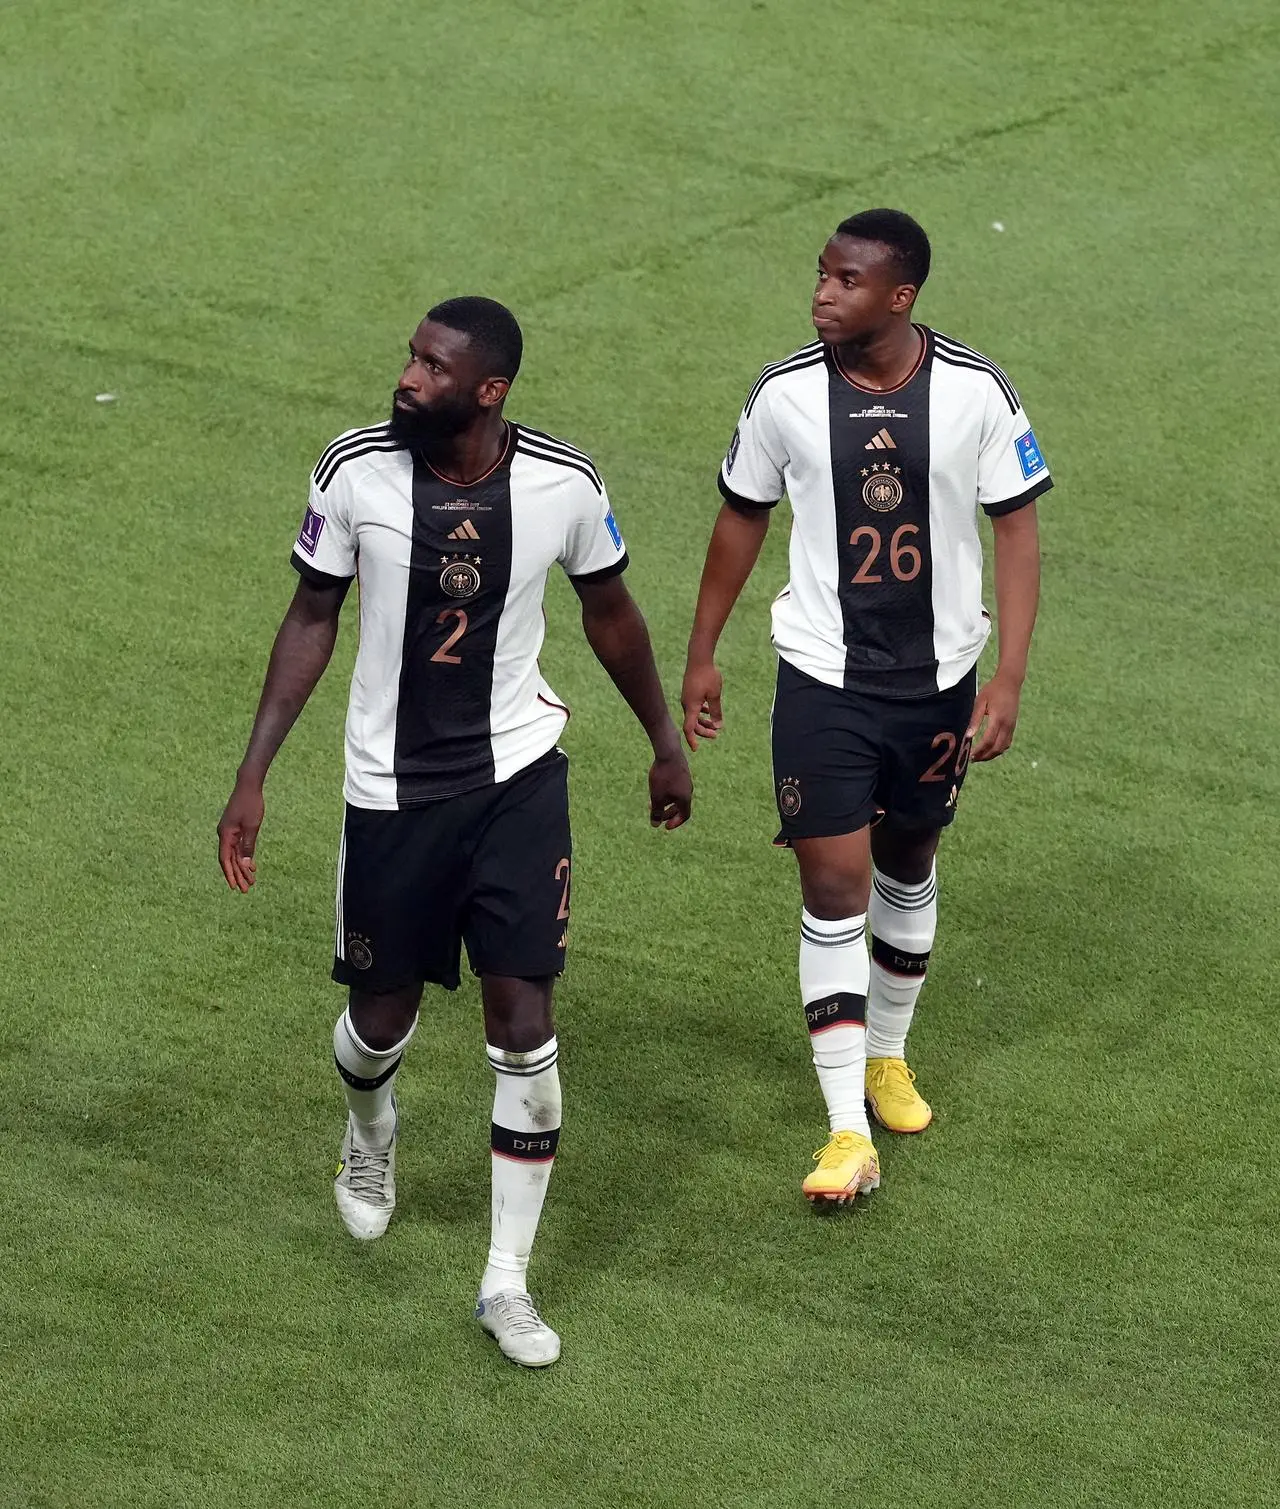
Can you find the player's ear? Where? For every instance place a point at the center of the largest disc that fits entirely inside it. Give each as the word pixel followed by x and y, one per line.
pixel 492 391
pixel 904 296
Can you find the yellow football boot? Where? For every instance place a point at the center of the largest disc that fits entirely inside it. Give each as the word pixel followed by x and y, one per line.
pixel 847 1167
pixel 892 1095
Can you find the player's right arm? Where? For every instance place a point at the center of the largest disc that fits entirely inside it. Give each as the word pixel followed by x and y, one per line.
pixel 735 547
pixel 302 649
pixel 751 483
pixel 325 560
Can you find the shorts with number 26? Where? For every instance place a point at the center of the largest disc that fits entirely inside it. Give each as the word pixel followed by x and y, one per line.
pixel 844 759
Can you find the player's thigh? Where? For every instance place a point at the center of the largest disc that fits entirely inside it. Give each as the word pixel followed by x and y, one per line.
pixel 399 881
pixel 927 757
pixel 516 916
pixel 826 758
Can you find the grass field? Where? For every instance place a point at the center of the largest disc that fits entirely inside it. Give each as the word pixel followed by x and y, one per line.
pixel 231 217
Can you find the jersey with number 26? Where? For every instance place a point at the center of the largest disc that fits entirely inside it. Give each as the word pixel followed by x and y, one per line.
pixel 885 591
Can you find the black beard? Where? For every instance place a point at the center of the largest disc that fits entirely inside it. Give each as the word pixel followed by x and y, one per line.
pixel 423 428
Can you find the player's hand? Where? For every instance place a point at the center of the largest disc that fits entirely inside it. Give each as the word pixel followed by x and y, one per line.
pixel 670 790
pixel 997 704
pixel 238 835
pixel 700 698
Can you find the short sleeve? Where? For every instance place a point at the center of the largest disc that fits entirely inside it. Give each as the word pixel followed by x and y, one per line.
pixel 1012 471
pixel 754 465
pixel 325 550
pixel 594 549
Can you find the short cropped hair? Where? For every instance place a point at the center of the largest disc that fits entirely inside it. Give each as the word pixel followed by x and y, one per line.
pixel 895 229
pixel 492 328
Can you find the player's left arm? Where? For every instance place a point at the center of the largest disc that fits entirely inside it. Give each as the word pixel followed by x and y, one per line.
pixel 1012 474
pixel 1017 573
pixel 594 556
pixel 619 638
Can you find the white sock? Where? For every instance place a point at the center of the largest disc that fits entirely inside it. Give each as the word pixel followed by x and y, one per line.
pixel 833 983
pixel 904 919
pixel 368 1077
pixel 525 1131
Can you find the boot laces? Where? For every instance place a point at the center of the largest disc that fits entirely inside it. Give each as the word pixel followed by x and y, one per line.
pixel 517 1314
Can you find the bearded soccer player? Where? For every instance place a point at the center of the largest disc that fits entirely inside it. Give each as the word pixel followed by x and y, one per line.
pixel 457 819
pixel 887 437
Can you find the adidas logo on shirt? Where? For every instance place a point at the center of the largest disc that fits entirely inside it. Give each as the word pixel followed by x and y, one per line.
pixel 883 441
pixel 466 531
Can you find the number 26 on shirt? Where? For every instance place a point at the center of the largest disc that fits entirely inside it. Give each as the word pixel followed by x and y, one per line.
pixel 904 559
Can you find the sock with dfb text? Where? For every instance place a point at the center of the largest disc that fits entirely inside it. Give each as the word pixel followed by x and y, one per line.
pixel 524 1135
pixel 368 1077
pixel 904 919
pixel 834 973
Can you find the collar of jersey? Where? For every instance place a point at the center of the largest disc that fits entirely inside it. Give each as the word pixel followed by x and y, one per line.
pixel 503 456
pixel 898 387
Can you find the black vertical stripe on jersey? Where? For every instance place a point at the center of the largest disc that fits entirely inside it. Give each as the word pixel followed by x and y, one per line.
pixel 888 625
pixel 443 725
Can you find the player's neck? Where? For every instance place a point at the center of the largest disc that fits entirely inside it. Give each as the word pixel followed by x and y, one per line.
pixel 887 360
pixel 468 457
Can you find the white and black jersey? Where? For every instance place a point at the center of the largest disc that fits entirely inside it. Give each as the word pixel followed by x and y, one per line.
pixel 447 695
pixel 885 594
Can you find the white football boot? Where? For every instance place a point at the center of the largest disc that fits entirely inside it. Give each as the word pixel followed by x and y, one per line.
pixel 365 1185
pixel 521 1333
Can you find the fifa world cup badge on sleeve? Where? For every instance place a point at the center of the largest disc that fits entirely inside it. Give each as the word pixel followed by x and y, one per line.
pixel 1029 455
pixel 615 534
pixel 309 534
pixel 731 455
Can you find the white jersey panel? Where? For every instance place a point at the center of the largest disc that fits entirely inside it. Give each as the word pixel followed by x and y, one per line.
pixel 527 715
pixel 382 513
pixel 808 628
pixel 957 404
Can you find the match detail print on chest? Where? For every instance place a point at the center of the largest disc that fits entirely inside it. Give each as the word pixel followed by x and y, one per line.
pixel 461 538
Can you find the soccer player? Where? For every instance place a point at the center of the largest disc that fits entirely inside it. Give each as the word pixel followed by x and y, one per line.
pixel 887 437
pixel 457 817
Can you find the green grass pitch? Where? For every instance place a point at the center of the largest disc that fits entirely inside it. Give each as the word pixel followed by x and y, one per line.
pixel 231 217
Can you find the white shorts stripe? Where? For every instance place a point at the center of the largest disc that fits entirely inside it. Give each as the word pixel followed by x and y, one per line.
pixel 342 866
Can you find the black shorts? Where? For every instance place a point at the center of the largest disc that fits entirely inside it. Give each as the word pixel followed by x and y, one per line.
pixel 844 759
pixel 489 869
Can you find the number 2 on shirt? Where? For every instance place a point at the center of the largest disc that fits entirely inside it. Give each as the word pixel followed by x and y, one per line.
pixel 442 655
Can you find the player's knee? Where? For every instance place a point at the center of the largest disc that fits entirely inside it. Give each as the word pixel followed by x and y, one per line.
pixel 384 1020
pixel 517 1012
pixel 833 894
pixel 906 856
